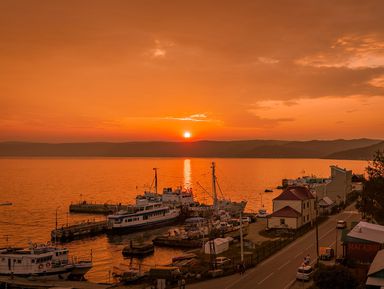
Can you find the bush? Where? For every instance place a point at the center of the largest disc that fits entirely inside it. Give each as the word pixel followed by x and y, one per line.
pixel 334 277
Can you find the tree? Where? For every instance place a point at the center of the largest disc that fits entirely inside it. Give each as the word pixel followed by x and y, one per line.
pixel 371 203
pixel 334 277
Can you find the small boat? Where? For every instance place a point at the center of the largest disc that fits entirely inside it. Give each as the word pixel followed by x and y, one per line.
pixel 268 191
pixel 138 249
pixel 6 204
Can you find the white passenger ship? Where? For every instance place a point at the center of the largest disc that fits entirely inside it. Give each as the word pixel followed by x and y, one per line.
pixel 43 261
pixel 32 262
pixel 149 215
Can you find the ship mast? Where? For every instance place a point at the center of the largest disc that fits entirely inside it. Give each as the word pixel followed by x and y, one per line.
pixel 215 201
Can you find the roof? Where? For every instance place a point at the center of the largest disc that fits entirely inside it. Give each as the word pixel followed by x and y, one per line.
pixel 326 201
pixel 377 263
pixel 369 232
pixel 287 212
pixel 375 281
pixel 295 193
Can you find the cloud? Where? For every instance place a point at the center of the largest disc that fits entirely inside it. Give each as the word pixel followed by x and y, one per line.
pixel 267 60
pixel 351 51
pixel 199 117
pixel 161 48
pixel 377 81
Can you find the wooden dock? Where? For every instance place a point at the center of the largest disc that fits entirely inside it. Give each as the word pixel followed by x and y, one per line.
pixel 77 231
pixel 104 209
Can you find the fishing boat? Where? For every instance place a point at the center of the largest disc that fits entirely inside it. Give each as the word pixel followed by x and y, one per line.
pixel 224 204
pixel 33 262
pixel 176 197
pixel 145 216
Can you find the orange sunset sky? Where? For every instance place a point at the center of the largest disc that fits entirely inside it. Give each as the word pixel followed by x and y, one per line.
pixel 75 70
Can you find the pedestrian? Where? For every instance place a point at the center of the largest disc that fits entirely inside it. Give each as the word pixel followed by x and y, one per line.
pixel 182 283
pixel 238 268
pixel 242 268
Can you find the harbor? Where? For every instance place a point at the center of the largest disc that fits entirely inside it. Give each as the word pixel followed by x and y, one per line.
pixel 191 231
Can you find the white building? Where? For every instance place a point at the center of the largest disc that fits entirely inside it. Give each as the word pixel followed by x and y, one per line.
pixel 336 187
pixel 293 208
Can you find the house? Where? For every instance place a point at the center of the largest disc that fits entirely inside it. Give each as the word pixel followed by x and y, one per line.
pixel 325 205
pixel 363 242
pixel 375 274
pixel 292 209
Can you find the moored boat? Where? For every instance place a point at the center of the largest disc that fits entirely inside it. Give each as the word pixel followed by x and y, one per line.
pixel 145 216
pixel 32 262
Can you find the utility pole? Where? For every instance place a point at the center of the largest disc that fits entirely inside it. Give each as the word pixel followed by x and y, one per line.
pixel 336 245
pixel 317 232
pixel 155 169
pixel 215 202
pixel 241 238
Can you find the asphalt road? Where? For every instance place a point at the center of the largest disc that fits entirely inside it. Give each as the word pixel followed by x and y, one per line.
pixel 279 271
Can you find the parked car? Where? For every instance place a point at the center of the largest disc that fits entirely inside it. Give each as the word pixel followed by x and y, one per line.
pixel 222 261
pixel 326 253
pixel 341 224
pixel 304 273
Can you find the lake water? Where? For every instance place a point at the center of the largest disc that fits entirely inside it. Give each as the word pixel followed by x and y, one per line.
pixel 38 187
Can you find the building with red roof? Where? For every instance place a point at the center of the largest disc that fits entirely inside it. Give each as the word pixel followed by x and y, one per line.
pixel 293 208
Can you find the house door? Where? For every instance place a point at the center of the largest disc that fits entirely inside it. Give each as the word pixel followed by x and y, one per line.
pixel 9 264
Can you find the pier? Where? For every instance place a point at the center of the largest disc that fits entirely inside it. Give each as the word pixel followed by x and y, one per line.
pixel 76 231
pixel 104 209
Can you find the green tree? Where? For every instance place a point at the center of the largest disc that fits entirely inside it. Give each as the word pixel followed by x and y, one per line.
pixel 334 277
pixel 371 203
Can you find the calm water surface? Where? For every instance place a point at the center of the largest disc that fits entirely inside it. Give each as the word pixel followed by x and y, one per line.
pixel 40 186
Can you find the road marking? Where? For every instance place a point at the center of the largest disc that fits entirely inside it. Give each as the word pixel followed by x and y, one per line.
pixel 326 234
pixel 265 278
pixel 297 255
pixel 241 278
pixel 290 284
pixel 285 264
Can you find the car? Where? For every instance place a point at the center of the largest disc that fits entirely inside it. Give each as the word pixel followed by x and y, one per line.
pixel 326 253
pixel 222 261
pixel 341 224
pixel 304 273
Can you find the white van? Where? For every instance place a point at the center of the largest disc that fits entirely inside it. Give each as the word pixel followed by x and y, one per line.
pixel 304 273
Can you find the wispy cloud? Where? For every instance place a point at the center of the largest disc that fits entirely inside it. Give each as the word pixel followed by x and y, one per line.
pixel 351 51
pixel 161 48
pixel 199 117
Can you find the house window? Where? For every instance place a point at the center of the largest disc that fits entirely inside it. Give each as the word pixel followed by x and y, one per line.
pixel 282 221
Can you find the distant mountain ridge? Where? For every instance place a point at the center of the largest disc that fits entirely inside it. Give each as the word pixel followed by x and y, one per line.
pixel 350 149
pixel 364 153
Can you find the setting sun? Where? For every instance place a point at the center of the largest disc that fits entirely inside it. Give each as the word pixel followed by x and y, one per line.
pixel 187 134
